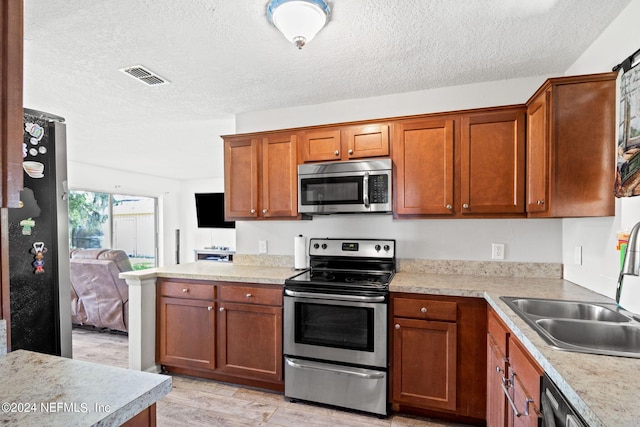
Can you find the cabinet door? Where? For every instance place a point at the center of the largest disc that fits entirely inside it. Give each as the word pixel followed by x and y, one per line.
pixel 496 371
pixel 241 178
pixel 492 163
pixel 321 145
pixel 279 176
pixel 186 333
pixel 424 363
pixel 524 375
pixel 538 154
pixel 424 167
pixel 367 141
pixel 250 341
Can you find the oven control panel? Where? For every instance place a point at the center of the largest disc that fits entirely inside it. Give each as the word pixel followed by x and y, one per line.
pixel 368 248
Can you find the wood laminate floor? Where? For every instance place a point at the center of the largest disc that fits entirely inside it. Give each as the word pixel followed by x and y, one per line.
pixel 199 402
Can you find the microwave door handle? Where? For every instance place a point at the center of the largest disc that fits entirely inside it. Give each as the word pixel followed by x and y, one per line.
pixel 365 190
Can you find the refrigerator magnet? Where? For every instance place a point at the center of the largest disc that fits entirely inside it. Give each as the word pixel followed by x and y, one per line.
pixel 27 225
pixel 38 250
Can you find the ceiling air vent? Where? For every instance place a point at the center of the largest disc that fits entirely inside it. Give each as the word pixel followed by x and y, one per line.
pixel 145 75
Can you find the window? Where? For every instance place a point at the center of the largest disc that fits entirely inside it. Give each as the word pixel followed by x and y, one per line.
pixel 114 221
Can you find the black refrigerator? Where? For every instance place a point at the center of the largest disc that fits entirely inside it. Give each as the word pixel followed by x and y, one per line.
pixel 40 295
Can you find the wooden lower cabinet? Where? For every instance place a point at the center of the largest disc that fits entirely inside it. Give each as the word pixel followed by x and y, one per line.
pixel 513 379
pixel 250 341
pixel 220 330
pixel 438 356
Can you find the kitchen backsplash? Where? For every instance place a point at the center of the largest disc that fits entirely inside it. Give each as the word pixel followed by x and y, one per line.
pixel 473 268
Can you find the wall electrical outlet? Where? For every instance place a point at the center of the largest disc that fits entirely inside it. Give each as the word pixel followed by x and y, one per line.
pixel 497 251
pixel 262 246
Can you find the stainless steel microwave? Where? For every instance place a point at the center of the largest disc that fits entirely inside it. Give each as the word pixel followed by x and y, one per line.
pixel 356 186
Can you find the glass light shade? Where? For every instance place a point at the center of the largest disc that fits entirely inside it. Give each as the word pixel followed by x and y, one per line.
pixel 299 20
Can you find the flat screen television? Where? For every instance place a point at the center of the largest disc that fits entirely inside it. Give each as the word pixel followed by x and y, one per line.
pixel 210 211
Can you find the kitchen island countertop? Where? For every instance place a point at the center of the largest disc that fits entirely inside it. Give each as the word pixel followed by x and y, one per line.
pixel 604 389
pixel 43 390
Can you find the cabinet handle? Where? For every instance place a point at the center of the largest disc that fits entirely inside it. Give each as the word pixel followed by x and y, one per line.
pixel 249 295
pixel 397 326
pixel 350 151
pixel 423 309
pixel 209 308
pixel 466 206
pixel 253 211
pixel 337 153
pixel 511 402
pixel 540 202
pixel 185 290
pixel 449 207
pixel 221 309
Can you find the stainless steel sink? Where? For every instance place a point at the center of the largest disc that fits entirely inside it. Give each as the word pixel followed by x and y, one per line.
pixel 587 327
pixel 569 310
pixel 607 338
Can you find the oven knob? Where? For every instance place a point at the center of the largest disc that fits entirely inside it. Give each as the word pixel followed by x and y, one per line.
pixel 387 247
pixel 324 246
pixel 377 248
pixel 316 246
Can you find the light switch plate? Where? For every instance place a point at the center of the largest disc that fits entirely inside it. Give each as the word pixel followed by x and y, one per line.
pixel 262 246
pixel 577 255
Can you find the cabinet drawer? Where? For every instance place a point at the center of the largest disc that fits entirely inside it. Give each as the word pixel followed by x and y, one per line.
pixel 187 290
pixel 250 294
pixel 425 309
pixel 498 331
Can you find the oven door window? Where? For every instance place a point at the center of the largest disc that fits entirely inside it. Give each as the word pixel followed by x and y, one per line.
pixel 331 190
pixel 337 326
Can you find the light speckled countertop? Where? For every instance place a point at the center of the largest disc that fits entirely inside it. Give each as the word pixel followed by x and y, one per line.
pixel 42 390
pixel 604 389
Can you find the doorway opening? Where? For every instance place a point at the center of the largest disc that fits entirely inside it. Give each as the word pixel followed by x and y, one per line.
pixel 108 234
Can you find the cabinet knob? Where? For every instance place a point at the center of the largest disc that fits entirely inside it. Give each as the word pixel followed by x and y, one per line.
pixel 423 310
pixel 466 205
pixel 337 153
pixel 264 211
pixel 449 207
pixel 350 151
pixel 209 308
pixel 185 290
pixel 221 309
pixel 397 326
pixel 253 211
pixel 540 202
pixel 249 295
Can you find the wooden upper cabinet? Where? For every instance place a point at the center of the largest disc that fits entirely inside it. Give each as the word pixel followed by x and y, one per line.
pixel 11 112
pixel 279 176
pixel 261 176
pixel 423 157
pixel 367 141
pixel 241 157
pixel 321 145
pixel 345 143
pixel 571 147
pixel 492 162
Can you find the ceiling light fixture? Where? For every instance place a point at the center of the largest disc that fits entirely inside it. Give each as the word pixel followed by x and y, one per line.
pixel 298 20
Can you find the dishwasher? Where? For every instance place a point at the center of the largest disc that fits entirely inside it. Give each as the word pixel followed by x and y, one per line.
pixel 556 411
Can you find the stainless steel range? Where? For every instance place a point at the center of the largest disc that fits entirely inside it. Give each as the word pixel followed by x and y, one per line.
pixel 335 324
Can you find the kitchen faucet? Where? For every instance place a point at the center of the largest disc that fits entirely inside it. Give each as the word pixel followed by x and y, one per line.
pixel 631 264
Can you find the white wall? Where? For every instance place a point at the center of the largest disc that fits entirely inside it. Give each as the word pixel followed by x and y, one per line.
pixel 598 236
pixel 463 239
pixel 83 176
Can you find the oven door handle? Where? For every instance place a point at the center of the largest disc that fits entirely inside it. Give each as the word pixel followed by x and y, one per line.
pixel 314 366
pixel 338 297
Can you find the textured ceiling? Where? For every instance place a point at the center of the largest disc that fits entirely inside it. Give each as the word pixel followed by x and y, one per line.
pixel 224 58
